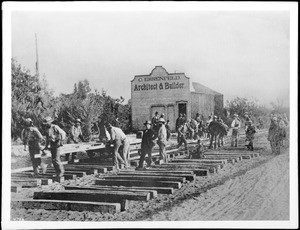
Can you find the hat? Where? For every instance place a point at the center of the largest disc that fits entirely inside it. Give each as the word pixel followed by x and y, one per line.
pixel 47 120
pixel 215 117
pixel 274 118
pixel 147 122
pixel 161 120
pixel 78 120
pixel 235 115
pixel 28 120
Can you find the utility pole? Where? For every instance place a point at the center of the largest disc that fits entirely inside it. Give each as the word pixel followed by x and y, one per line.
pixel 37 58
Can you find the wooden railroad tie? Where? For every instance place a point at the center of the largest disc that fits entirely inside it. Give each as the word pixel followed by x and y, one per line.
pixel 205 161
pixel 198 170
pixel 217 166
pixel 67 205
pixel 153 193
pixel 138 183
pixel 146 178
pixel 189 177
pixel 92 196
pixel 100 169
pixel 27 183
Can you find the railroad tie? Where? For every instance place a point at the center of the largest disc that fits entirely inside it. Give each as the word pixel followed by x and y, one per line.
pixel 146 178
pixel 146 173
pixel 153 193
pixel 80 206
pixel 121 197
pixel 138 183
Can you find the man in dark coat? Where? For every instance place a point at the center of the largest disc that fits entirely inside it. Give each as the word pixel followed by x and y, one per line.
pixel 147 144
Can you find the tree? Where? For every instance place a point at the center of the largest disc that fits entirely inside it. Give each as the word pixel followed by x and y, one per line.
pixel 242 105
pixel 30 98
pixel 279 108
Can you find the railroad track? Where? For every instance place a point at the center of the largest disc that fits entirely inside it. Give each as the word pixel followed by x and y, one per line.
pixel 111 192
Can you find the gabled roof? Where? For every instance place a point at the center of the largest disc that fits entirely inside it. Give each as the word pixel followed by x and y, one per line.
pixel 203 89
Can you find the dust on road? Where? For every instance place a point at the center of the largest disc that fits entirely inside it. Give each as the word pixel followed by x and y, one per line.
pixel 262 193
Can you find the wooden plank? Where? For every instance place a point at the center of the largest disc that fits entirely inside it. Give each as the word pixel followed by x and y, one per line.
pixel 87 171
pixel 159 170
pixel 75 166
pixel 95 195
pixel 189 177
pixel 204 161
pixel 138 183
pixel 67 171
pixel 48 176
pixel 44 180
pixel 89 195
pixel 194 165
pixel 27 182
pixel 15 188
pixel 67 205
pixel 198 170
pixel 227 156
pixel 159 190
pixel 146 178
pixel 153 193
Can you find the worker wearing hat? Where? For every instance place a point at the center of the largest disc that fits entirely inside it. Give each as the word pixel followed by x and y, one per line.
pixel 54 136
pixel 182 135
pixel 235 125
pixel 32 137
pixel 250 135
pixel 75 137
pixel 118 139
pixel 76 132
pixel 273 136
pixel 146 146
pixel 162 139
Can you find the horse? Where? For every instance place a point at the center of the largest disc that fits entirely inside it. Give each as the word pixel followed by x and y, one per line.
pixel 217 131
pixel 223 133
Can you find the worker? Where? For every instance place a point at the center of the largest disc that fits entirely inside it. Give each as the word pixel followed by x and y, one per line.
pixel 273 136
pixel 235 125
pixel 32 137
pixel 168 128
pixel 75 137
pixel 147 145
pixel 182 132
pixel 155 124
pixel 162 139
pixel 118 139
pixel 54 136
pixel 250 135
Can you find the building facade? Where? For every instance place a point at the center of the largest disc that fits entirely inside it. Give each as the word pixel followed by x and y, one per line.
pixel 170 94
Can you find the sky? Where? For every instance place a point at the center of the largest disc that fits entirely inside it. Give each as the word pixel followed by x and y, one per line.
pixel 236 53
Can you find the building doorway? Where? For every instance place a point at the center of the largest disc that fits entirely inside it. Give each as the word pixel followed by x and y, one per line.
pixel 182 108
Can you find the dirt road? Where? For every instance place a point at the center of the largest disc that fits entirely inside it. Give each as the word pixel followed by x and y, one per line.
pixel 262 193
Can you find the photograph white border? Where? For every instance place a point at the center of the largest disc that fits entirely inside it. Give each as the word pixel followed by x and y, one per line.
pixel 9 7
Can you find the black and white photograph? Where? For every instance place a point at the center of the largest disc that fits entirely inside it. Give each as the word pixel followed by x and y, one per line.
pixel 150 115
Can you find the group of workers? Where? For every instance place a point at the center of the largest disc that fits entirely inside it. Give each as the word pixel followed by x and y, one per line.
pixel 156 131
pixel 32 137
pixel 278 132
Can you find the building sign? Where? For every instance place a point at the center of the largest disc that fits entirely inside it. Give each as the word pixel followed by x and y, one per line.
pixel 155 83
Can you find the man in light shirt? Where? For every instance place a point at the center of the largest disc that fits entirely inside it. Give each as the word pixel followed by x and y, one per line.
pixel 235 125
pixel 54 136
pixel 162 139
pixel 118 138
